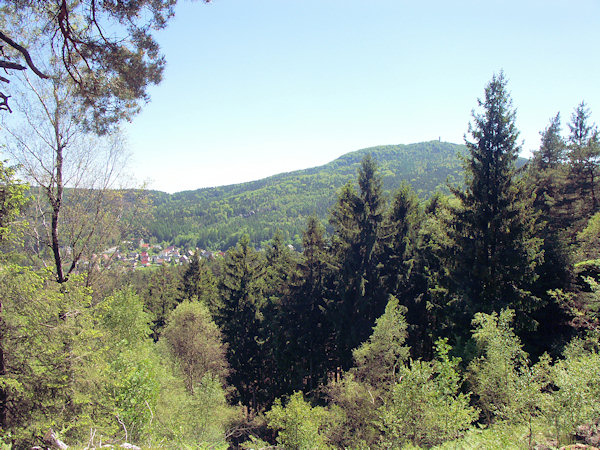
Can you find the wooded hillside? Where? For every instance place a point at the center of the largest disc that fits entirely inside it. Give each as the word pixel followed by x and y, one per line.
pixel 217 217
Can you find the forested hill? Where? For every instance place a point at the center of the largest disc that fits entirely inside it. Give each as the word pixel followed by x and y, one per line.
pixel 217 217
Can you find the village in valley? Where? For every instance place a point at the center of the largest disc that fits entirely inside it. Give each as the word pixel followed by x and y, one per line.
pixel 139 254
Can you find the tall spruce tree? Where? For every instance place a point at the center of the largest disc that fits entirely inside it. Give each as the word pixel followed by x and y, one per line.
pixel 584 155
pixel 399 237
pixel 357 219
pixel 240 316
pixel 280 270
pixel 306 324
pixel 495 254
pixel 547 177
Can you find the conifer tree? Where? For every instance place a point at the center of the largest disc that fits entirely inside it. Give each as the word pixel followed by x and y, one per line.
pixel 399 239
pixel 306 325
pixel 199 283
pixel 552 150
pixel 279 272
pixel 547 178
pixel 357 220
pixel 240 315
pixel 161 297
pixel 584 155
pixel 495 254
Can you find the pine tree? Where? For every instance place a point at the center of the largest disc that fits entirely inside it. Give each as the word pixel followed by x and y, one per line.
pixel 495 254
pixel 546 177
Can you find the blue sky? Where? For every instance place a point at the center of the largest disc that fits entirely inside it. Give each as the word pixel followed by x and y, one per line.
pixel 257 87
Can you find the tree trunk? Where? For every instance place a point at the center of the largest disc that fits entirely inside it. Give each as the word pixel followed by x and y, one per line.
pixel 55 197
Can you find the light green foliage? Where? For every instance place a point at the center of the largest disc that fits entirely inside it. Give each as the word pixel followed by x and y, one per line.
pixel 46 337
pixel 129 366
pixel 588 240
pixel 12 199
pixel 426 406
pixel 500 436
pixel 583 306
pixel 494 374
pixel 379 358
pixel 508 388
pixel 356 397
pixel 194 342
pixel 192 421
pixel 576 380
pixel 300 425
pixel 123 314
pixel 353 407
pixel 72 365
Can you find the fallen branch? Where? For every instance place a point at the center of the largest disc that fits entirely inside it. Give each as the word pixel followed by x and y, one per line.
pixel 51 439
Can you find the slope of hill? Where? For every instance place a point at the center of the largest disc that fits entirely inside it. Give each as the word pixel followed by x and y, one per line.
pixel 217 217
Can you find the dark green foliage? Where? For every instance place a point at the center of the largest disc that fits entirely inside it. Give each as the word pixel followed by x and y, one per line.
pixel 357 222
pixel 199 283
pixel 496 253
pixel 546 177
pixel 306 327
pixel 240 318
pixel 161 296
pixel 399 239
pixel 280 271
pixel 563 177
pixel 584 156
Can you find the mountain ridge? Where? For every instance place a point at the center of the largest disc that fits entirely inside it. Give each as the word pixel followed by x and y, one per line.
pixel 216 217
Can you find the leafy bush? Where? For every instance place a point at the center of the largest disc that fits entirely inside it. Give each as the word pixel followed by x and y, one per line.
pixel 300 425
pixel 426 406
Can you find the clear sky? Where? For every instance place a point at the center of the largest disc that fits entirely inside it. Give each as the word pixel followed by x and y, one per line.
pixel 257 87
